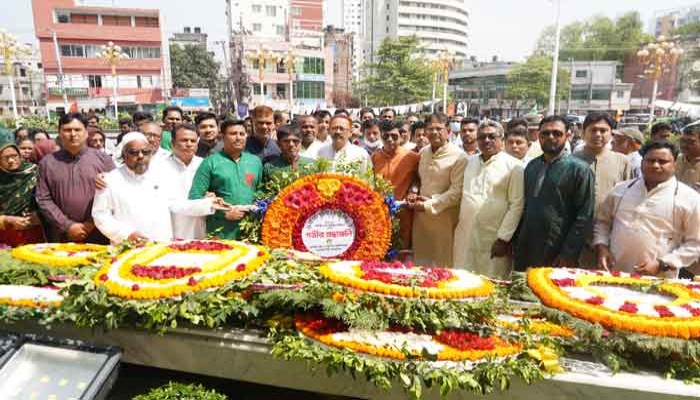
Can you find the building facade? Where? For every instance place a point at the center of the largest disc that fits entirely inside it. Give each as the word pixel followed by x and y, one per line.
pixel 341 48
pixel 596 86
pixel 28 80
pixel 306 15
pixel 440 25
pixel 141 81
pixel 267 19
pixel 643 85
pixel 190 36
pixel 664 22
pixel 353 22
pixel 479 89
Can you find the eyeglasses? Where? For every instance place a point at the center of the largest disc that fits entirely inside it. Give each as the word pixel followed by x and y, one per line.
pixel 10 157
pixel 392 136
pixel 490 136
pixel 136 153
pixel 556 134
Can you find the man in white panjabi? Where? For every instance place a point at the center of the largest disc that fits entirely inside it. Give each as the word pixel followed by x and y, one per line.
pixel 491 207
pixel 344 155
pixel 651 224
pixel 176 172
pixel 133 204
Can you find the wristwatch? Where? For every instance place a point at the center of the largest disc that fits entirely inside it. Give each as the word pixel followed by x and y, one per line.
pixel 663 266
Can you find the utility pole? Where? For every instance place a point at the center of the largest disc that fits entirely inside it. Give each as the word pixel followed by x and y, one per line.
pixel 571 69
pixel 555 63
pixel 60 72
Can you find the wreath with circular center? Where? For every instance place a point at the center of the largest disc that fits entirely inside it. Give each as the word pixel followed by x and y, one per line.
pixel 330 215
pixel 168 270
pixel 620 300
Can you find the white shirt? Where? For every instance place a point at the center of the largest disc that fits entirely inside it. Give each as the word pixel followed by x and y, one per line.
pixel 312 150
pixel 491 206
pixel 187 217
pixel 409 146
pixel 635 163
pixel 132 203
pixel 641 226
pixel 347 155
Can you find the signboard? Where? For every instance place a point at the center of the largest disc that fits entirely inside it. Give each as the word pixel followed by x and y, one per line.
pixel 311 77
pixel 72 92
pixel 328 233
pixel 191 102
pixel 198 92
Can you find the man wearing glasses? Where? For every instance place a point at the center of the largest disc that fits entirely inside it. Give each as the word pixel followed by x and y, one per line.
pixel 559 200
pixel 491 206
pixel 131 206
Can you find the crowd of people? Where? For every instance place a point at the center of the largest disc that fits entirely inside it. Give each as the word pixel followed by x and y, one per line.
pixel 487 196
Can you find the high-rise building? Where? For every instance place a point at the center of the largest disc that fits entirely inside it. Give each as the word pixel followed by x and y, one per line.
pixel 440 25
pixel 664 22
pixel 340 44
pixel 260 18
pixel 353 22
pixel 79 31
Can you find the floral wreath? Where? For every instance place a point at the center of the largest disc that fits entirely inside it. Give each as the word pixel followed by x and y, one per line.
pixel 620 300
pixel 534 324
pixel 446 345
pixel 29 296
pixel 60 255
pixel 344 195
pixel 407 280
pixel 169 270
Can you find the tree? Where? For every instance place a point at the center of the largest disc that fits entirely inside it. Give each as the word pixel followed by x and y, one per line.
pixel 597 38
pixel 401 74
pixel 530 81
pixel 194 67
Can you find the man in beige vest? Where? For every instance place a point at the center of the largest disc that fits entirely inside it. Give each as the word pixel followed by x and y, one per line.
pixel 609 168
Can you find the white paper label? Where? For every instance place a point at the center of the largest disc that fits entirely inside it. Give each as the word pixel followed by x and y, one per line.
pixel 328 233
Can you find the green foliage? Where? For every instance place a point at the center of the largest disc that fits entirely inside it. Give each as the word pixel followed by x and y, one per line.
pixel 193 67
pixel 19 272
pixel 688 30
pixel 531 80
pixel 413 376
pixel 401 74
pixel 86 305
pixel 597 38
pixel 181 391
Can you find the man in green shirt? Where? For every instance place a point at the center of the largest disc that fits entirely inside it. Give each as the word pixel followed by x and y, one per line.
pixel 289 141
pixel 559 199
pixel 171 116
pixel 233 175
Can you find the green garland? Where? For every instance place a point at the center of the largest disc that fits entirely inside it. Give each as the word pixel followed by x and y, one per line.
pixel 19 272
pixel 619 350
pixel 178 391
pixel 413 376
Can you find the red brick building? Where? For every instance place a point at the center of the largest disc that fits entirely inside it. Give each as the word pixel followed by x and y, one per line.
pixel 307 15
pixel 80 32
pixel 633 72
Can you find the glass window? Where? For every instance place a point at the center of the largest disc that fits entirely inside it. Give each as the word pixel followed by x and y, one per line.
pixel 257 8
pixel 280 29
pixel 313 65
pixel 309 90
pixel 579 94
pixel 257 27
pixel 66 50
pixel 296 11
pixel 95 81
pixel 271 11
pixel 581 73
pixel 601 95
pixel 620 94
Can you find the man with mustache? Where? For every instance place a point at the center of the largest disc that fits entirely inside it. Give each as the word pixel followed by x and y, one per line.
pixel 131 206
pixel 491 206
pixel 559 201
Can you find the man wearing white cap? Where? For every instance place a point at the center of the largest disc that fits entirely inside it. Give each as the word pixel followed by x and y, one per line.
pixel 628 141
pixel 131 206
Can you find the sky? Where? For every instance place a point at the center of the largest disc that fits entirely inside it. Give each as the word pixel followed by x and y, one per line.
pixel 504 28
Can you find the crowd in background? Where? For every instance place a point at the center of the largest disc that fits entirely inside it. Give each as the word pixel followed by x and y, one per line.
pixel 489 196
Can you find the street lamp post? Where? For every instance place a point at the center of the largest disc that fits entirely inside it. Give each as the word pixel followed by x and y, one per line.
pixel 262 56
pixel 290 61
pixel 657 58
pixel 443 63
pixel 10 48
pixel 555 63
pixel 112 54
